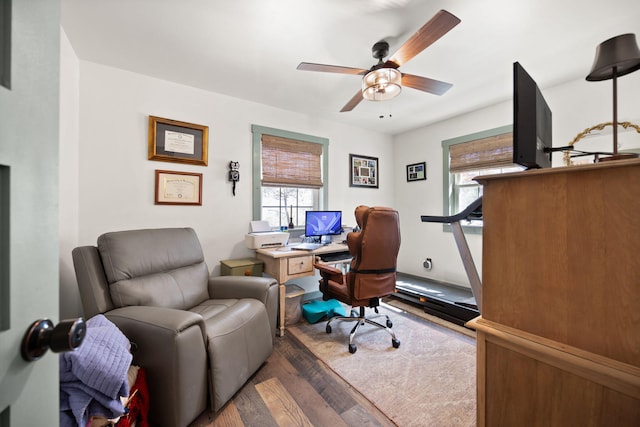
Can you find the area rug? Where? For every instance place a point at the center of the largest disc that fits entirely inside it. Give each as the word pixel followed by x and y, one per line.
pixel 430 380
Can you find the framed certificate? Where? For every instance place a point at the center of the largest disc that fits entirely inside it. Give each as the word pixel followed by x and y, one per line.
pixel 179 142
pixel 178 188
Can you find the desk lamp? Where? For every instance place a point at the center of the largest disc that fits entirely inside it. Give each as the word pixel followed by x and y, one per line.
pixel 615 58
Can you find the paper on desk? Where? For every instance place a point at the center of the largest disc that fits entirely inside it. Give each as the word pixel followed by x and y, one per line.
pixel 259 226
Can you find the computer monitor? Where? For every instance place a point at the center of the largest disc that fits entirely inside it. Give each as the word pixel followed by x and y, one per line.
pixel 532 145
pixel 322 223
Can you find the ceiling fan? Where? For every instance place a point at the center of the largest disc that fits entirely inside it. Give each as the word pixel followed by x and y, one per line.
pixel 383 80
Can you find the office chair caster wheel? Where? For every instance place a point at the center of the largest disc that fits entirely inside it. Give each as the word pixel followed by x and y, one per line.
pixel 395 342
pixel 328 329
pixel 352 348
pixel 389 324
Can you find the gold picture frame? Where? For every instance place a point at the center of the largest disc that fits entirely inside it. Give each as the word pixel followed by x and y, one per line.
pixel 178 142
pixel 178 188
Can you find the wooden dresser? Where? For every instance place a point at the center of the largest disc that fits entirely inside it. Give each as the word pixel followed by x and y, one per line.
pixel 559 335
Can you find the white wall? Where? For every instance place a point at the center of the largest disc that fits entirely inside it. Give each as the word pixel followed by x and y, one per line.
pixel 579 105
pixel 575 106
pixel 427 240
pixel 68 176
pixel 107 183
pixel 116 181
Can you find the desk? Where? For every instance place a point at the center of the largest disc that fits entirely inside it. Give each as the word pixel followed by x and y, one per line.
pixel 284 265
pixel 558 340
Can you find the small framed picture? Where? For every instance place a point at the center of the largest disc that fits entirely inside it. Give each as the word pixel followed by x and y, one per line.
pixel 179 142
pixel 363 171
pixel 417 172
pixel 178 188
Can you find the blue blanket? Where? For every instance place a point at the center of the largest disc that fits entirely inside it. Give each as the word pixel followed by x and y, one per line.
pixel 93 377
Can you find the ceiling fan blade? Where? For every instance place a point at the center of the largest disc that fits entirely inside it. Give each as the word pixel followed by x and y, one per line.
pixel 425 84
pixel 353 102
pixel 308 66
pixel 435 28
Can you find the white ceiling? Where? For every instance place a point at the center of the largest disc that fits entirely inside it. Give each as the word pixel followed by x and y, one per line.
pixel 250 49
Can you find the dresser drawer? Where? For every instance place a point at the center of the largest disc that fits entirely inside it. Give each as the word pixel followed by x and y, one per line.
pixel 298 265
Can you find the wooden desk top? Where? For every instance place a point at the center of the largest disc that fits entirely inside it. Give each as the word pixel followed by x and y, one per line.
pixel 286 251
pixel 532 173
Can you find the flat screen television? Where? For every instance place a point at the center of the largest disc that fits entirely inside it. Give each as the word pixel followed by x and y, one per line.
pixel 532 145
pixel 322 223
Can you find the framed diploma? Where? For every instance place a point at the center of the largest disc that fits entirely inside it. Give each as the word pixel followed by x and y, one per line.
pixel 178 188
pixel 179 142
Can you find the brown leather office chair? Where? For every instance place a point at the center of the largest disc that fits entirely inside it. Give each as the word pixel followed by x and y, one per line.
pixel 372 272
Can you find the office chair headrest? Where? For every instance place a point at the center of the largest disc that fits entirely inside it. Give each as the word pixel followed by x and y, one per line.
pixel 359 214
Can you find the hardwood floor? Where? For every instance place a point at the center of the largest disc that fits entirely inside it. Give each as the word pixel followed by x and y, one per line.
pixel 293 388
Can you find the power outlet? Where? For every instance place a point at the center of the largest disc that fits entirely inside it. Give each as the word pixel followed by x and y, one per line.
pixel 427 263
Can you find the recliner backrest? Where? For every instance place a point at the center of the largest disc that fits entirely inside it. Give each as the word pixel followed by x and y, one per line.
pixel 154 267
pixel 92 283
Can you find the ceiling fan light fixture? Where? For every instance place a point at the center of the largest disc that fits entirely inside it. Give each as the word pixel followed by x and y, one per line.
pixel 381 84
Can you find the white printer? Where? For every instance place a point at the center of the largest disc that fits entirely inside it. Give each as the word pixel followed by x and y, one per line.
pixel 261 236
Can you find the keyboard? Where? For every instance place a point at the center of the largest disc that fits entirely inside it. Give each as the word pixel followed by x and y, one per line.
pixel 335 256
pixel 307 246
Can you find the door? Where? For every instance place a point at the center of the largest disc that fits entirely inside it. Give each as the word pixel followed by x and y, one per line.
pixel 29 99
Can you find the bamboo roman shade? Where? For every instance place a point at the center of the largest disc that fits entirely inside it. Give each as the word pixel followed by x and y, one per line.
pixel 291 163
pixel 490 152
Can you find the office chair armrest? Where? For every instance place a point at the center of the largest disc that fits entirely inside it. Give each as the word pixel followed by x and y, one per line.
pixel 329 273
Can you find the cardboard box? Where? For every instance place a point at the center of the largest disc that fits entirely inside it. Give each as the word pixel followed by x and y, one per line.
pixel 241 267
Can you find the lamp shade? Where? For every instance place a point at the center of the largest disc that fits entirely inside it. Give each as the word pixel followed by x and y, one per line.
pixel 620 53
pixel 381 84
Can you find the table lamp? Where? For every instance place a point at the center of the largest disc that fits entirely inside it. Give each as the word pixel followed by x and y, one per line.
pixel 615 58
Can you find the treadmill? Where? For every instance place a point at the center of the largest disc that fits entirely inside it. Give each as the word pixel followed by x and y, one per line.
pixel 453 303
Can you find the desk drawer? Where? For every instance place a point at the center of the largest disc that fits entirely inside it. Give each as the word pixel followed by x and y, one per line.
pixel 298 265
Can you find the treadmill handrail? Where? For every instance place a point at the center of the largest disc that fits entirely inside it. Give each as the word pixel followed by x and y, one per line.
pixel 463 247
pixel 474 206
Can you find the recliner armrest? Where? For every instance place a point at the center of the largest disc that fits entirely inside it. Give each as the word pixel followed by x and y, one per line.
pixel 172 348
pixel 264 289
pixel 225 287
pixel 143 319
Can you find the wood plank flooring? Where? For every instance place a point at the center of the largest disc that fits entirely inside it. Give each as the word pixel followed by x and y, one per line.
pixel 294 388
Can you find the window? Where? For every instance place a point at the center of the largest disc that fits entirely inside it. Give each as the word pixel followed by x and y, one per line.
pixel 282 206
pixel 466 157
pixel 288 175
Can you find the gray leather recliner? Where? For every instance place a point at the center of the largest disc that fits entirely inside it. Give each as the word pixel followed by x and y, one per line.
pixel 196 335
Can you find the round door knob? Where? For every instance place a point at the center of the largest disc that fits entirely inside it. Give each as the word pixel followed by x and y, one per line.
pixel 42 335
